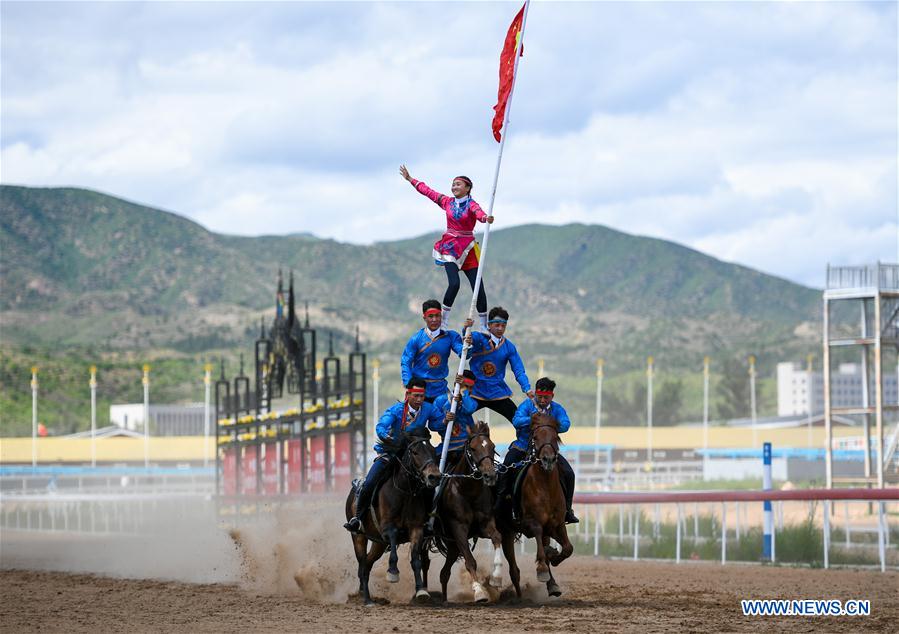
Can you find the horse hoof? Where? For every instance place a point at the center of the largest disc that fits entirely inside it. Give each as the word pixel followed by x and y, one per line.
pixel 393 577
pixel 422 596
pixel 553 589
pixel 543 576
pixel 480 595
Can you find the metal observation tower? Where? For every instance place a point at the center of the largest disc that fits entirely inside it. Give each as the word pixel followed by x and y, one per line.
pixel 861 325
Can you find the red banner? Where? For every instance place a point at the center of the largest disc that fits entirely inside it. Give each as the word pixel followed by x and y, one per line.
pixel 294 466
pixel 248 471
pixel 318 452
pixel 343 467
pixel 229 472
pixel 270 469
pixel 507 72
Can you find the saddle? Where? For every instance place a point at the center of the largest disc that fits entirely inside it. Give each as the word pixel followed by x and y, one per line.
pixel 516 490
pixel 517 486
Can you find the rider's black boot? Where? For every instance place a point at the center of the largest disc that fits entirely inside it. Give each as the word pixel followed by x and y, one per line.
pixel 354 525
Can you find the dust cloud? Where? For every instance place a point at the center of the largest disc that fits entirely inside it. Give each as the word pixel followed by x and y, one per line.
pixel 296 549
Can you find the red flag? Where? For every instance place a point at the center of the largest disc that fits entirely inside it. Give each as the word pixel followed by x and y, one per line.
pixel 507 72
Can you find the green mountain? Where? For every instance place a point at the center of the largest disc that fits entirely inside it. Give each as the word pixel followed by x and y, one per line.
pixel 81 270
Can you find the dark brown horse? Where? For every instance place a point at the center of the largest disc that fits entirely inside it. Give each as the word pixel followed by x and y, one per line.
pixel 466 507
pixel 398 516
pixel 542 506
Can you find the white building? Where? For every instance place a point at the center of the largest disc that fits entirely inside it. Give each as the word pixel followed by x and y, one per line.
pixel 798 390
pixel 165 420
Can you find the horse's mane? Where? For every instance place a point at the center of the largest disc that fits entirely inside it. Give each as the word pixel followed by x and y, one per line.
pixel 538 420
pixel 421 432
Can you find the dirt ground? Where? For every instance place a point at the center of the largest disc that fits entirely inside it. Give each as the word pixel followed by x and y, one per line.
pixel 598 595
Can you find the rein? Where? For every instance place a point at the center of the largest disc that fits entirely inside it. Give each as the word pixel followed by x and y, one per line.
pixel 535 450
pixel 472 463
pixel 415 476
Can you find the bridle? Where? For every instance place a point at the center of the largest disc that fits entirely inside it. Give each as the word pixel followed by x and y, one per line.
pixel 535 450
pixel 416 474
pixel 473 464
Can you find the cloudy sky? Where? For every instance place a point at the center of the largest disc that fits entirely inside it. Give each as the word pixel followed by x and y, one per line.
pixel 760 133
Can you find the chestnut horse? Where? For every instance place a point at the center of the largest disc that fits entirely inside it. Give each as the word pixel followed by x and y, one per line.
pixel 398 516
pixel 465 508
pixel 542 506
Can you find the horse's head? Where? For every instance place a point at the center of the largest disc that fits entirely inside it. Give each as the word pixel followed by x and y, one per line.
pixel 479 452
pixel 545 440
pixel 421 459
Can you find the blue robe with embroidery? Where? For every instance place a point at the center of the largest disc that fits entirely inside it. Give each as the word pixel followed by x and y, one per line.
pixel 428 359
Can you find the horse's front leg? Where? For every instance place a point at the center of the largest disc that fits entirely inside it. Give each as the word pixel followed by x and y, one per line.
pixel 460 534
pixel 425 565
pixel 393 572
pixel 377 549
pixel 446 571
pixel 496 538
pixel 509 551
pixel 421 593
pixel 561 536
pixel 536 529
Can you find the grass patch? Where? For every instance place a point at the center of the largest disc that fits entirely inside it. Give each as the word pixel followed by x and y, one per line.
pixel 797 543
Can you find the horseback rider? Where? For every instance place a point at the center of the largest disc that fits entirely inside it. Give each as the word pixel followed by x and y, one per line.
pixel 426 354
pixel 489 355
pixel 542 404
pixel 462 420
pixel 456 249
pixel 409 415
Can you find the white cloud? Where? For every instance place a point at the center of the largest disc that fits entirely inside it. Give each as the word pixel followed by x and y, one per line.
pixel 763 133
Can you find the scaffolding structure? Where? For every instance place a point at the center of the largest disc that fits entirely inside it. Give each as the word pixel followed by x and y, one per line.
pixel 318 443
pixel 873 291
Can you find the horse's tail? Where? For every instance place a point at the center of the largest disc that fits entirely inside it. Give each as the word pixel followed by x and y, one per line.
pixel 437 543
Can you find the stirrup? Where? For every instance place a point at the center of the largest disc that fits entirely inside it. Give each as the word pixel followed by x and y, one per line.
pixel 354 525
pixel 571 518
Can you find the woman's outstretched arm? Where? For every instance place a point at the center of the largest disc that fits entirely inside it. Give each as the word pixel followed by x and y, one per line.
pixel 423 189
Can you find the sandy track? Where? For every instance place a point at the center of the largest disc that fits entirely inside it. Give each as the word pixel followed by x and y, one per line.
pixel 599 595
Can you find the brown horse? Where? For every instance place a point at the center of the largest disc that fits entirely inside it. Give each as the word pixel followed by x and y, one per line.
pixel 542 506
pixel 466 507
pixel 398 516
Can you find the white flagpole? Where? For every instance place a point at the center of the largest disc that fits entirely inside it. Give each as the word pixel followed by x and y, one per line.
pixel 463 358
pixel 207 411
pixel 146 382
pixel 93 386
pixel 34 417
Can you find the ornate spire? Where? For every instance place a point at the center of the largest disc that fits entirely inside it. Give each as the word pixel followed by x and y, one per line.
pixel 331 343
pixel 357 337
pixel 307 313
pixel 291 310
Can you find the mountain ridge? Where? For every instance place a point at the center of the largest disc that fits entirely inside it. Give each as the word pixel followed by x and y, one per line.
pixel 72 255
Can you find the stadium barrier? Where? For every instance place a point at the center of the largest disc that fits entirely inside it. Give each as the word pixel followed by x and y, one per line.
pixel 635 501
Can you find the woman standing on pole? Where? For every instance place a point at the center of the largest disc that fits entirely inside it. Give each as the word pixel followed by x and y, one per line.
pixel 457 249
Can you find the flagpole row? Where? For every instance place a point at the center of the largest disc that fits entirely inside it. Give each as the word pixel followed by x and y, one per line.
pixel 463 358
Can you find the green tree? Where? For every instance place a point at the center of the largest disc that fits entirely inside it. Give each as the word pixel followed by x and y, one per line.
pixel 667 400
pixel 733 390
pixel 666 403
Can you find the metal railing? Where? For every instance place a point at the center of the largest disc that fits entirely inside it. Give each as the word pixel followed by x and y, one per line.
pixel 105 514
pixel 882 276
pixel 111 480
pixel 630 513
